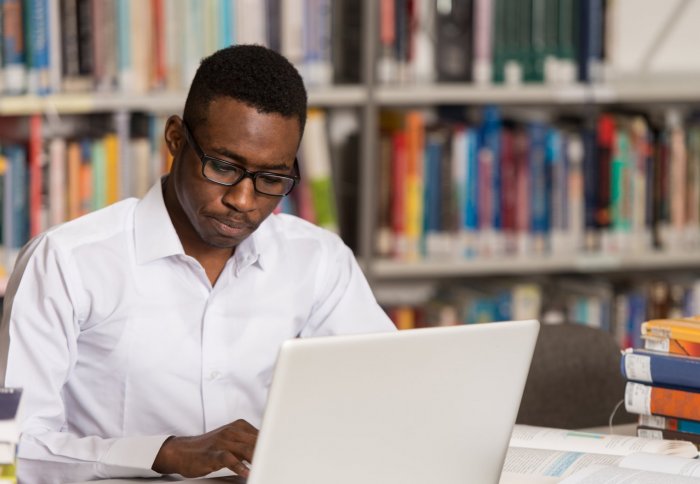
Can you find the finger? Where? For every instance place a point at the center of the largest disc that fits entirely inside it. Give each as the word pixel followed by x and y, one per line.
pixel 236 465
pixel 242 451
pixel 245 426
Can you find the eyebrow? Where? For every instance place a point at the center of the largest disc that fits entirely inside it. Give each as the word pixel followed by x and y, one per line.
pixel 243 160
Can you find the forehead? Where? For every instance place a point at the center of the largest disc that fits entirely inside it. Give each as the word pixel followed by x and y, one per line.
pixel 228 121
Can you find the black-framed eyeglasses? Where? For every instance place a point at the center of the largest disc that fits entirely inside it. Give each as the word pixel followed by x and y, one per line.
pixel 228 174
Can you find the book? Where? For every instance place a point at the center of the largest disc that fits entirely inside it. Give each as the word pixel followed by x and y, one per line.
pixel 661 368
pixel 453 45
pixel 679 336
pixel 645 399
pixel 669 423
pixel 9 430
pixel 663 434
pixel 317 170
pixel 565 456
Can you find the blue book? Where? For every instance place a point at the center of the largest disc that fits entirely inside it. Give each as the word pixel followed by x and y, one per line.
pixel 432 181
pixel 539 201
pixel 661 368
pixel 472 211
pixel 9 402
pixel 18 210
pixel 670 423
pixel 37 45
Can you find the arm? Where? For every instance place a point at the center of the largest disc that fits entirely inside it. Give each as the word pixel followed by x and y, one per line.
pixel 344 301
pixel 39 339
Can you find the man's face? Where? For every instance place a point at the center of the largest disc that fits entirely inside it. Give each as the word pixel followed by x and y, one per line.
pixel 223 216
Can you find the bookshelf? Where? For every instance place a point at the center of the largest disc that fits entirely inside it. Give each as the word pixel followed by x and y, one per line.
pixel 368 97
pixel 653 90
pixel 160 103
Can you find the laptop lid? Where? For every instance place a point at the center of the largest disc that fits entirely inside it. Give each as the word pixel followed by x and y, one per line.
pixel 417 406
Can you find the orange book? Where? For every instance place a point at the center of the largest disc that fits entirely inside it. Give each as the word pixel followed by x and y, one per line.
pixel 652 400
pixel 674 346
pixel 111 142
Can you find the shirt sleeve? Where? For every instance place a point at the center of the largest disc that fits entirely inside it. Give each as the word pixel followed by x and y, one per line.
pixel 344 302
pixel 38 339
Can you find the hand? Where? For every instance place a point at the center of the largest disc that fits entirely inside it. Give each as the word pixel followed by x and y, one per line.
pixel 227 446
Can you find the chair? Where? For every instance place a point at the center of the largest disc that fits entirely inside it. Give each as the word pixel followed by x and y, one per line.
pixel 575 380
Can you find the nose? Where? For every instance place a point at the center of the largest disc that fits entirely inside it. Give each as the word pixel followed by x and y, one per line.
pixel 241 196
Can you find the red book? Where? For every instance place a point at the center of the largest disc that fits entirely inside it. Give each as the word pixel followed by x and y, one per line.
pixel 606 141
pixel 159 65
pixel 35 174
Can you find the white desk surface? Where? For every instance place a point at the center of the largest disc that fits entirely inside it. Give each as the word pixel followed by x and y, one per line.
pixel 507 478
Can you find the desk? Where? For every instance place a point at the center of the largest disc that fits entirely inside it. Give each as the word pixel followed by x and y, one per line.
pixel 623 429
pixel 506 479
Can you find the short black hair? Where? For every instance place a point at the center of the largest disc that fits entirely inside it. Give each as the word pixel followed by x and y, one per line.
pixel 252 74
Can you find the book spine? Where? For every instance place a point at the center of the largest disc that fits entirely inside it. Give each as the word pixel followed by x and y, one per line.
pixel 663 369
pixel 57 181
pixel 37 34
pixel 13 55
pixel 670 423
pixel 55 72
pixel 316 165
pixel 662 434
pixel 538 193
pixel 35 174
pixel 398 203
pixel 453 49
pixel 647 400
pixel 20 197
pixel 674 346
pixel 483 41
pixel 415 147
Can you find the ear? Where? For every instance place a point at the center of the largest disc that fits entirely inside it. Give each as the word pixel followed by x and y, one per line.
pixel 174 135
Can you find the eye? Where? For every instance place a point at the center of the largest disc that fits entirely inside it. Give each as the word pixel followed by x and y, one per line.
pixel 222 167
pixel 270 180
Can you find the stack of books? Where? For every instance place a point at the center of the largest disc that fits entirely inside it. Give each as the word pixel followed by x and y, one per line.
pixel 664 380
pixel 9 433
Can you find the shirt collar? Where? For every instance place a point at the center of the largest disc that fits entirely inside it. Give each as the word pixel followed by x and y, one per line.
pixel 156 238
pixel 250 251
pixel 155 235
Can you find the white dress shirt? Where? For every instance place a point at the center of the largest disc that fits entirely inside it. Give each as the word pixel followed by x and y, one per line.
pixel 119 339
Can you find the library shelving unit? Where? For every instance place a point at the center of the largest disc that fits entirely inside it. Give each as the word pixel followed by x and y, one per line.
pixel 650 95
pixel 369 98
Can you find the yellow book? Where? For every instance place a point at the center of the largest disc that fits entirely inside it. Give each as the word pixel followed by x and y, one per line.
pixel 415 139
pixel 687 329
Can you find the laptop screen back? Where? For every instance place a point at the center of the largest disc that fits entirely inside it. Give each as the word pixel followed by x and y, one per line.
pixel 432 405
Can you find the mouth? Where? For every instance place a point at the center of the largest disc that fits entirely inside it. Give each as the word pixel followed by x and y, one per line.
pixel 231 228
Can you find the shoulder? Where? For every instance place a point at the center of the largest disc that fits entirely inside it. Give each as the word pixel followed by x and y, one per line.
pixel 93 228
pixel 295 231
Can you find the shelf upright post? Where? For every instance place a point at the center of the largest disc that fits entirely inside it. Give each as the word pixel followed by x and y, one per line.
pixel 367 200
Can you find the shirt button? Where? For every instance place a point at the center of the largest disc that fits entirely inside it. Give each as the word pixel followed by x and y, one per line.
pixel 214 375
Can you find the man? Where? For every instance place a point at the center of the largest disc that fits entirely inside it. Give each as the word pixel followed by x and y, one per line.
pixel 145 334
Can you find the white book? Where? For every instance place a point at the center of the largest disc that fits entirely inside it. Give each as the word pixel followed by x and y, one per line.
pixel 251 23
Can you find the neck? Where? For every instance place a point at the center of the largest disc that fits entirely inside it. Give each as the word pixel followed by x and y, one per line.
pixel 212 259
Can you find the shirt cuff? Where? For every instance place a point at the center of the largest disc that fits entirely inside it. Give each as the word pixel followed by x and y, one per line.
pixel 133 453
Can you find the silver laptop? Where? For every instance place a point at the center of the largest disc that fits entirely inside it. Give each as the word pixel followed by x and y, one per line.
pixel 433 405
